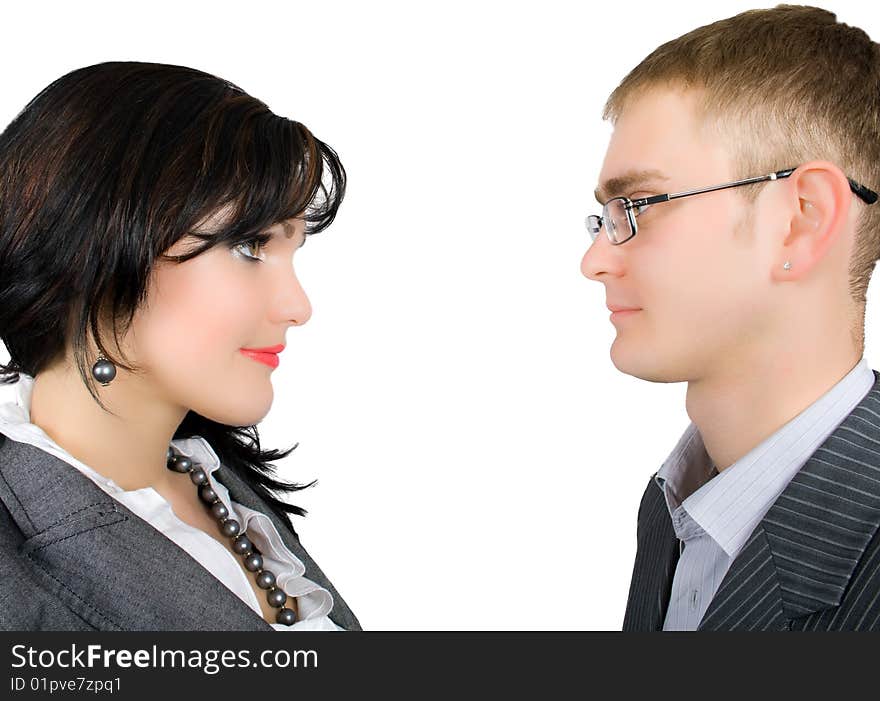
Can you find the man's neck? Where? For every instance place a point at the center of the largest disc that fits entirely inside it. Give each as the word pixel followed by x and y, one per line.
pixel 735 412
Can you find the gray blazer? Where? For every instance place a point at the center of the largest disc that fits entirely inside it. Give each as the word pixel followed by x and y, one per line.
pixel 74 558
pixel 812 563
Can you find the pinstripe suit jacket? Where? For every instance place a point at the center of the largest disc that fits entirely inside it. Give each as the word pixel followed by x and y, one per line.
pixel 812 563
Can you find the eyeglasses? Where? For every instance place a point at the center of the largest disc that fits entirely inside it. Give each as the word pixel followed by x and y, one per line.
pixel 619 213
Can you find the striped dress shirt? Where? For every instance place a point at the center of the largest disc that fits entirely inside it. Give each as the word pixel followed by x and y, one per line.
pixel 714 514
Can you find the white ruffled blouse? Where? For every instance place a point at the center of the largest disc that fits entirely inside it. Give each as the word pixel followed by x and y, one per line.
pixel 314 603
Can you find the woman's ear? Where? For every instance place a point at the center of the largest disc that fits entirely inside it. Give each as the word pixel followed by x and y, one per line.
pixel 819 198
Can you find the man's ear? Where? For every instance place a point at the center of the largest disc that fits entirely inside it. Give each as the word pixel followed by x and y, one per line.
pixel 818 199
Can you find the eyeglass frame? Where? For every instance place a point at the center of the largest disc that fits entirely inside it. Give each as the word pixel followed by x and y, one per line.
pixel 864 193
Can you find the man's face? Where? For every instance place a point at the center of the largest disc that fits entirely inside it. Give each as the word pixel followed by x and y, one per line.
pixel 694 268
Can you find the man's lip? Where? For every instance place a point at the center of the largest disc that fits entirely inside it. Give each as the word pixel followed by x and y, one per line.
pixel 616 308
pixel 268 349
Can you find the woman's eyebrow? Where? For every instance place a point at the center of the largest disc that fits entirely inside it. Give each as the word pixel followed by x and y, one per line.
pixel 290 232
pixel 289 229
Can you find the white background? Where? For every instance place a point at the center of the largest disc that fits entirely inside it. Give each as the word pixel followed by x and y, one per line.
pixel 479 459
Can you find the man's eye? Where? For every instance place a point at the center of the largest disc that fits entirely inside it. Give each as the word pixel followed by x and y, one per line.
pixel 639 210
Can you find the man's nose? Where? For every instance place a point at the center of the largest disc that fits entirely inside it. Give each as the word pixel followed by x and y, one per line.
pixel 601 257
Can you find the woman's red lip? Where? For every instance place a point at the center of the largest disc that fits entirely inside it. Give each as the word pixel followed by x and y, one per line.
pixel 270 359
pixel 268 349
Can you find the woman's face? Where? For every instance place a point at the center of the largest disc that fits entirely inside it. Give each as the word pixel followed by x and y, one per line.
pixel 200 314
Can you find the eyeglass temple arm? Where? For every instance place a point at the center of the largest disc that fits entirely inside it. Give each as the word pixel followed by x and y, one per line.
pixel 748 181
pixel 868 195
pixel 865 193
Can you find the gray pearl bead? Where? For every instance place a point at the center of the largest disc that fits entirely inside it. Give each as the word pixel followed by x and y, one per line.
pixel 276 597
pixel 265 579
pixel 242 545
pixel 181 463
pixel 103 371
pixel 230 527
pixel 286 616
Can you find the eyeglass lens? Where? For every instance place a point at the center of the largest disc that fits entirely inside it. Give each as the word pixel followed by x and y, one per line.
pixel 614 218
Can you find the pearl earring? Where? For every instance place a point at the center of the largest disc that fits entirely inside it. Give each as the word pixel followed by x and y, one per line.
pixel 786 265
pixel 103 370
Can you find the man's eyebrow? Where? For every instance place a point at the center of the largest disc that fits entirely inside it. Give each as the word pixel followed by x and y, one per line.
pixel 626 183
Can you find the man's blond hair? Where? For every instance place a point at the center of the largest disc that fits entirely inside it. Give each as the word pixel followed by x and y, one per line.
pixel 782 86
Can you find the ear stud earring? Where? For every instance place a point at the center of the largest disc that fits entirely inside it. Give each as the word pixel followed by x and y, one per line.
pixel 786 265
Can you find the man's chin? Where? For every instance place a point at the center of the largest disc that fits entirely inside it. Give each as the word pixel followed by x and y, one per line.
pixel 644 366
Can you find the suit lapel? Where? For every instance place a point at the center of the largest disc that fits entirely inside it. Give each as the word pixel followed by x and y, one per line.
pixel 656 558
pixel 801 556
pixel 107 564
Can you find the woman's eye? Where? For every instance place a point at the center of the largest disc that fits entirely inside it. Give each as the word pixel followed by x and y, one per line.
pixel 246 246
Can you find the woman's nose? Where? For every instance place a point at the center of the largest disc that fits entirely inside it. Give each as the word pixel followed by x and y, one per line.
pixel 296 305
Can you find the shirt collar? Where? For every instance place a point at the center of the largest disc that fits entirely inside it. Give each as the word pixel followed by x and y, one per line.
pixel 686 469
pixel 15 403
pixel 728 506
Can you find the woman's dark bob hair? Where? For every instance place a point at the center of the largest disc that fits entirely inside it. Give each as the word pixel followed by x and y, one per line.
pixel 103 171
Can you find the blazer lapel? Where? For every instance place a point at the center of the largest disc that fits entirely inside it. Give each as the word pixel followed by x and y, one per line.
pixel 801 556
pixel 111 567
pixel 656 558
